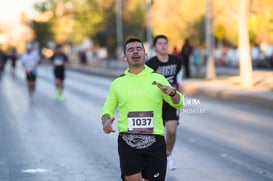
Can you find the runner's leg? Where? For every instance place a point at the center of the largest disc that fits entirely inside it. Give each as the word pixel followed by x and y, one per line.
pixel 171 127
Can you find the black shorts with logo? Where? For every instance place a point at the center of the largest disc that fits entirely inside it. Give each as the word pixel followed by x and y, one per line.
pixel 142 153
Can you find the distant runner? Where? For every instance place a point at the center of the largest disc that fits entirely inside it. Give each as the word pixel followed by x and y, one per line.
pixel 30 60
pixel 59 59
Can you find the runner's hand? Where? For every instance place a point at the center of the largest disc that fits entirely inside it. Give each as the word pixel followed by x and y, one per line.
pixel 107 127
pixel 166 89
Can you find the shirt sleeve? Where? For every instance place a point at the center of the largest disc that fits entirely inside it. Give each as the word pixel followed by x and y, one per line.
pixel 111 102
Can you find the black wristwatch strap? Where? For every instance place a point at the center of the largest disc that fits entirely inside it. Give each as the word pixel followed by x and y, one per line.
pixel 172 95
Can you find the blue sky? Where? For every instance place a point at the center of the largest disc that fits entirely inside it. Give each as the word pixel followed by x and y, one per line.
pixel 10 10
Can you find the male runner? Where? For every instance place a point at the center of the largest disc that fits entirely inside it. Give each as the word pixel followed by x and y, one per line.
pixel 59 59
pixel 139 94
pixel 169 66
pixel 30 60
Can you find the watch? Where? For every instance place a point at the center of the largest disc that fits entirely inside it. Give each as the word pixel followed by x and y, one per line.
pixel 172 95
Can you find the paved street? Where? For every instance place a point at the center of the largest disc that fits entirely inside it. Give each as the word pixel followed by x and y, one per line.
pixel 42 139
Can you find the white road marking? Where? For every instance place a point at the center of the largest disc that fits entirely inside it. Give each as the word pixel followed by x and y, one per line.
pixel 35 170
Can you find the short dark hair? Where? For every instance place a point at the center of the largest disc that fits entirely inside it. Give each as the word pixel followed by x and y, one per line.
pixel 158 37
pixel 130 40
pixel 59 45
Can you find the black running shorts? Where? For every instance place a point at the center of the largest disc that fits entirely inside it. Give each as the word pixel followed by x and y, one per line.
pixel 59 72
pixel 151 161
pixel 30 76
pixel 169 112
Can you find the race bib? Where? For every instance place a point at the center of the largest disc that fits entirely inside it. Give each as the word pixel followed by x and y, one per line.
pixel 31 71
pixel 141 122
pixel 58 61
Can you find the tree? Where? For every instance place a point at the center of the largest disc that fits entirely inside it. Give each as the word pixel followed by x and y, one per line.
pixel 43 32
pixel 209 42
pixel 245 59
pixel 177 19
pixel 75 20
pixel 241 15
pixel 261 21
pixel 41 23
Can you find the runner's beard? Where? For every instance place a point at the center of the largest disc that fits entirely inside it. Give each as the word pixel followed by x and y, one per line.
pixel 136 63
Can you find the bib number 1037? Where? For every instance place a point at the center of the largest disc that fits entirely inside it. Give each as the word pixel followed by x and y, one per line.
pixel 141 122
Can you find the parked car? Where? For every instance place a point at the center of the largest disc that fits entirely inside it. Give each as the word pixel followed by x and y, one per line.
pixel 262 58
pixel 232 57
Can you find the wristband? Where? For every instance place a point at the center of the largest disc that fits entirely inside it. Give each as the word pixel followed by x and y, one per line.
pixel 172 95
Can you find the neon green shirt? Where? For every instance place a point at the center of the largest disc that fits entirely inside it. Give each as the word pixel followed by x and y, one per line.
pixel 133 94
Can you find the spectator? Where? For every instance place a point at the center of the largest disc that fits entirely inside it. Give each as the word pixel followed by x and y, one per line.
pixel 185 55
pixel 175 52
pixel 197 60
pixel 3 59
pixel 82 57
pixel 13 58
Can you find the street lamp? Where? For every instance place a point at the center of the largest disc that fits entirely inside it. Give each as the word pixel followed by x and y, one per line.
pixel 148 22
pixel 119 29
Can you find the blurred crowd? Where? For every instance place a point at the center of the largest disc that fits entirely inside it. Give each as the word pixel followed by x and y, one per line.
pixel 8 56
pixel 261 56
pixel 226 56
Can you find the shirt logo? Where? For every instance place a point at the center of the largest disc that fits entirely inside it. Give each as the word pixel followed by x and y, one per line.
pixel 156 175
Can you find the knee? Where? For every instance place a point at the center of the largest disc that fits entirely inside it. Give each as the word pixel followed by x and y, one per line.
pixel 171 127
pixel 171 132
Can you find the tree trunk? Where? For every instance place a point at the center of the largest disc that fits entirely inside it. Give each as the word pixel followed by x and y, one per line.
pixel 244 49
pixel 210 74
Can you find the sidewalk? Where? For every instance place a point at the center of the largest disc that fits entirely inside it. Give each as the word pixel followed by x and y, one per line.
pixel 225 87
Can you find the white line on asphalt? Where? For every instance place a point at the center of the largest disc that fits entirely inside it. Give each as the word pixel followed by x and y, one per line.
pixel 35 170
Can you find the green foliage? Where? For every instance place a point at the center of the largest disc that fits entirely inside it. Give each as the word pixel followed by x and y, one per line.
pixel 261 26
pixel 87 20
pixel 43 32
pixel 42 6
pixel 220 31
pixel 106 34
pixel 74 20
pixel 198 31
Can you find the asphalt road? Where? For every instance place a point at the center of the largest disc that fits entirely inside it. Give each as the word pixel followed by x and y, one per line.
pixel 42 139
